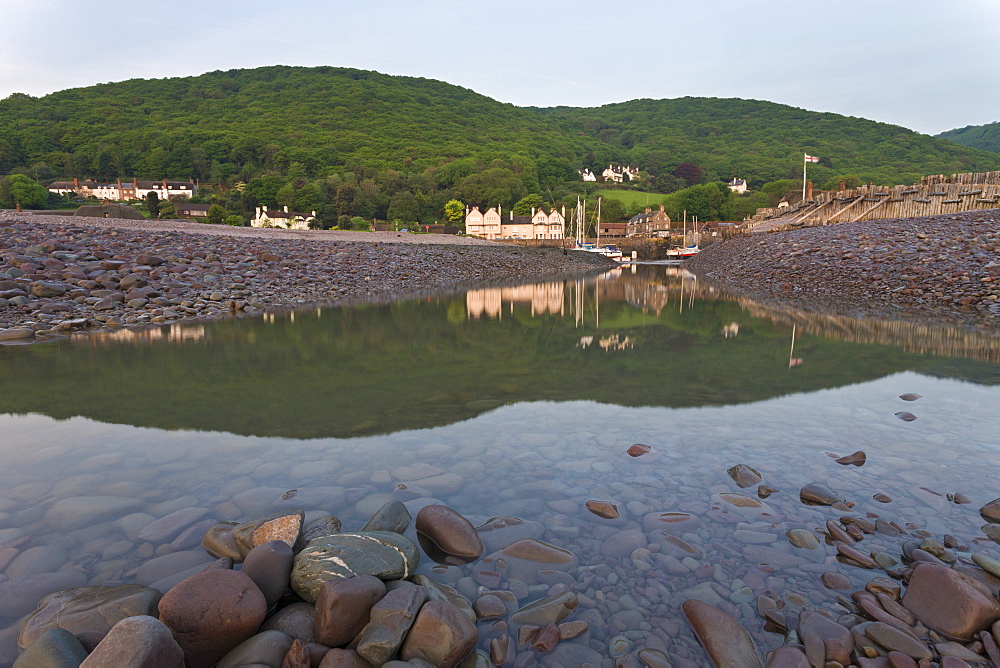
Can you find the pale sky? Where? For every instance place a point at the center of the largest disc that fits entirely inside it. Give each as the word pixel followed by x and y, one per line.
pixel 928 65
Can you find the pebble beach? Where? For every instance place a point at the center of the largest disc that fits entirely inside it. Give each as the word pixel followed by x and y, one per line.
pixel 944 269
pixel 62 274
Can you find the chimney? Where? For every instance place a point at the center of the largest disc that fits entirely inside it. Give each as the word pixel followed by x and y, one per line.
pixel 843 185
pixel 256 212
pixel 164 184
pixel 500 211
pixel 661 209
pixel 76 183
pixel 286 208
pixel 649 209
pixel 564 211
pixel 809 190
pixel 532 212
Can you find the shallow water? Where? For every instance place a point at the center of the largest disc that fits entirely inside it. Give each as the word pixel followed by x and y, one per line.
pixel 531 396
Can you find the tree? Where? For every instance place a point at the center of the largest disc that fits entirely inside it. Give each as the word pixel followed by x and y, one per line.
pixel 27 193
pixel 167 209
pixel 527 204
pixel 359 223
pixel 667 183
pixel 153 204
pixel 454 211
pixel 690 172
pixel 234 220
pixel 216 215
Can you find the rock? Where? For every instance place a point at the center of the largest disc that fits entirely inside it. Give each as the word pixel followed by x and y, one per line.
pixel 952 604
pixel 56 648
pixel 268 648
pixel 295 620
pixel 142 641
pixel 551 609
pixel 390 621
pixel 48 289
pixel 725 641
pixel 286 526
pixel 835 637
pixel 393 516
pixel 856 458
pixel 269 566
pixel 788 656
pixel 744 476
pixel 446 536
pixel 17 334
pixel 76 512
pixel 437 591
pixel 988 564
pixel 654 658
pixel 343 608
pixel 211 613
pixel 906 416
pixel 638 450
pixel 992 531
pixel 816 494
pixel 893 639
pixel 605 509
pixel 441 635
pixel 910 397
pixel 489 606
pixel 19 596
pixel 384 554
pixel 321 526
pixel 343 658
pixel 88 609
pixel 526 558
pixel 40 559
pixel 170 564
pixel 499 532
pixel 168 527
pixel 802 538
pixel 739 500
pixel 991 511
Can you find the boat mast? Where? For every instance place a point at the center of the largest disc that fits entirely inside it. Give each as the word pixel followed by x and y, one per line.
pixel 598 222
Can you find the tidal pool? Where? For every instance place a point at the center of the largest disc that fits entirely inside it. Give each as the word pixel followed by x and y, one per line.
pixel 514 402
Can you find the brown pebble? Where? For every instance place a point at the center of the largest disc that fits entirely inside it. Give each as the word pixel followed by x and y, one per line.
pixel 638 450
pixel 605 509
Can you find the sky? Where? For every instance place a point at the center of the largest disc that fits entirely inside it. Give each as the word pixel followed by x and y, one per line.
pixel 927 65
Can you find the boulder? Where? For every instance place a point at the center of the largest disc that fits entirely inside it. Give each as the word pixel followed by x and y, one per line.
pixel 725 641
pixel 286 526
pixel 446 536
pixel 269 566
pixel 343 608
pixel 954 605
pixel 138 642
pixel 441 635
pixel 393 516
pixel 56 648
pixel 390 621
pixel 384 554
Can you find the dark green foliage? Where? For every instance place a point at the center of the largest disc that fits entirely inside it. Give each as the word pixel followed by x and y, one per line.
pixel 984 137
pixel 216 215
pixel 153 204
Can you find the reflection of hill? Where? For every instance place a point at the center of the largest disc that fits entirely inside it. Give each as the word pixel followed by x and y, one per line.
pixel 377 369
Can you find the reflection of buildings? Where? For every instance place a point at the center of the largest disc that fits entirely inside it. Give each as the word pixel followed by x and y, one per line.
pixel 612 342
pixel 490 302
pixel 175 333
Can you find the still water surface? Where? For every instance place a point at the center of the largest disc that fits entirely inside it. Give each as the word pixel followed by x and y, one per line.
pixel 530 396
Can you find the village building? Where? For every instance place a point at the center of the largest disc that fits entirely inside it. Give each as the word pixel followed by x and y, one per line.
pixel 119 191
pixel 587 175
pixel 738 186
pixel 493 224
pixel 620 174
pixel 281 218
pixel 649 224
pixel 612 230
pixel 188 210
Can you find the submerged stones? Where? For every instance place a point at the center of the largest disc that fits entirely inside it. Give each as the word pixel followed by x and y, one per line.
pixel 724 639
pixel 638 449
pixel 991 511
pixel 817 494
pixel 605 509
pixel 744 476
pixel 855 458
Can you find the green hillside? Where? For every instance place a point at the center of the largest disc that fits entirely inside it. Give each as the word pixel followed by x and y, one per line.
pixel 983 137
pixel 354 144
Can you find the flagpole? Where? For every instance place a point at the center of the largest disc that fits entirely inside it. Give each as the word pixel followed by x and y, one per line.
pixel 804 161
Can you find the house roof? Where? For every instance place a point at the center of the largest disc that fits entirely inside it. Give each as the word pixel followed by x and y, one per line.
pixel 193 207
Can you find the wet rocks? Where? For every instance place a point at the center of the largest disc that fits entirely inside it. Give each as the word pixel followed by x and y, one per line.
pixel 211 613
pixel 605 509
pixel 991 511
pixel 725 641
pixel 440 634
pixel 744 476
pixel 142 640
pixel 343 607
pixel 390 621
pixel 446 536
pixel 817 494
pixel 952 604
pixel 855 458
pixel 285 526
pixel 384 554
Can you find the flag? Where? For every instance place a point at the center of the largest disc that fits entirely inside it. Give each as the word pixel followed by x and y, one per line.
pixel 811 158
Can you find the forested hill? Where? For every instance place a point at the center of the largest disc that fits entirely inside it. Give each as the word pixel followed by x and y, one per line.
pixel 984 137
pixel 353 143
pixel 734 137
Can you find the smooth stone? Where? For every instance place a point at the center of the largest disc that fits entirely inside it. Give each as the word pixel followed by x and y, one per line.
pixel 605 509
pixel 441 635
pixel 856 458
pixel 160 568
pixel 893 639
pixel 142 641
pixel 744 476
pixel 551 609
pixel 654 658
pixel 725 641
pixel 788 656
pixel 740 500
pixel 992 532
pixel 623 543
pixel 499 532
pixel 268 648
pixel 816 494
pixel 269 566
pixel 526 559
pixel 988 564
pixel 384 554
pixel 773 556
pixel 296 620
pixel 343 607
pixel 393 516
pixel 489 606
pixel 88 609
pixel 286 526
pixel 168 527
pixel 674 522
pixel 345 658
pixel 836 637
pixel 76 512
pixel 19 596
pixel 952 604
pixel 41 559
pixel 638 449
pixel 438 591
pixel 446 536
pixel 211 613
pixel 802 538
pixel 16 333
pixel 321 526
pixel 835 580
pixel 748 537
pixel 991 511
pixel 390 621
pixel 56 648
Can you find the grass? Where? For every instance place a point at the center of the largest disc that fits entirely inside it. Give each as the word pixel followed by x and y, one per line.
pixel 632 197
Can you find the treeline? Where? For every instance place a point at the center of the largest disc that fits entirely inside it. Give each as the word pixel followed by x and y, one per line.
pixel 352 144
pixel 983 137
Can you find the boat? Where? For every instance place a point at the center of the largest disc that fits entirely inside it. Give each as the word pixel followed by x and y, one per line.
pixel 684 251
pixel 612 252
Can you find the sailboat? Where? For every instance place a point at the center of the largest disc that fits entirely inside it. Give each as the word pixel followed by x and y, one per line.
pixel 684 250
pixel 608 251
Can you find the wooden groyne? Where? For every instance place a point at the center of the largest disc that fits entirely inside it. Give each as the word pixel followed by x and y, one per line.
pixel 933 196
